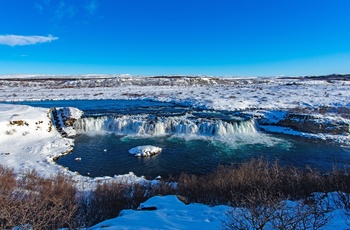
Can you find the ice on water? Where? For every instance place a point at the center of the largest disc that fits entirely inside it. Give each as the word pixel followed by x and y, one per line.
pixel 145 151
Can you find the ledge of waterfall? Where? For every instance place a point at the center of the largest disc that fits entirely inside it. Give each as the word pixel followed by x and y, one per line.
pixel 145 151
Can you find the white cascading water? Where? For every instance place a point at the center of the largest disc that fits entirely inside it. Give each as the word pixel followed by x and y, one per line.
pixel 159 126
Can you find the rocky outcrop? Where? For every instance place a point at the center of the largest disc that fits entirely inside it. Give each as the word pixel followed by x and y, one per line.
pixel 308 123
pixel 312 124
pixel 63 119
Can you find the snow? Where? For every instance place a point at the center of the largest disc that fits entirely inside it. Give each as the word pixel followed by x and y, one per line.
pixel 28 140
pixel 145 151
pixel 33 144
pixel 171 213
pixel 66 113
pixel 340 139
pixel 211 93
pixel 273 116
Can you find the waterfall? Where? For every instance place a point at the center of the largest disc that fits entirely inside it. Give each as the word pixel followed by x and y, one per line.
pixel 150 125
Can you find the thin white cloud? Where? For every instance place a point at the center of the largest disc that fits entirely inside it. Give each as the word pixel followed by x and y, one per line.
pixel 18 40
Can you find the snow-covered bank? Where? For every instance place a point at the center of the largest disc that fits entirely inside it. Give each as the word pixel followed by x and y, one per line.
pixel 29 141
pixel 32 138
pixel 332 126
pixel 169 212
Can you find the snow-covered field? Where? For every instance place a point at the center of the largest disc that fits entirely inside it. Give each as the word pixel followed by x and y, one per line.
pixel 29 141
pixel 207 92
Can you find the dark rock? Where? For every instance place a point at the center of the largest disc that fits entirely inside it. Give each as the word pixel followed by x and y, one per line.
pixel 150 208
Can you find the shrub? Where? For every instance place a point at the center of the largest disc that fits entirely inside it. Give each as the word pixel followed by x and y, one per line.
pixel 260 211
pixel 340 181
pixel 110 198
pixel 259 190
pixel 342 202
pixel 231 184
pixel 35 202
pixel 256 212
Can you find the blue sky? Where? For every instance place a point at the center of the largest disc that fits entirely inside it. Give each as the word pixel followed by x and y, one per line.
pixel 156 37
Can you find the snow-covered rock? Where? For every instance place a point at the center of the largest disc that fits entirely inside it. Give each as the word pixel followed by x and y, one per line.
pixel 64 118
pixel 145 150
pixel 310 122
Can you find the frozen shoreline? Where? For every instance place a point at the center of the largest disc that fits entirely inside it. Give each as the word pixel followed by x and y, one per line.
pixel 30 141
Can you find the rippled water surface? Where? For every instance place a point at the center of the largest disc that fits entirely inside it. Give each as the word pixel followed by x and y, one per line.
pixel 108 155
